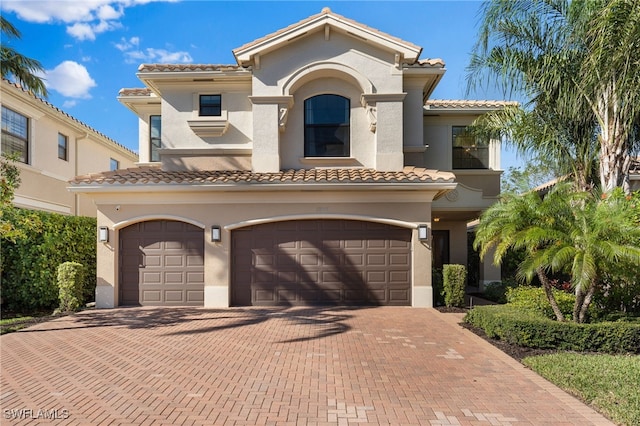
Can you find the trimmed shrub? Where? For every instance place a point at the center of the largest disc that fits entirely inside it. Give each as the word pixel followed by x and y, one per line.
pixel 528 328
pixel 534 298
pixel 29 264
pixel 497 291
pixel 71 277
pixel 455 280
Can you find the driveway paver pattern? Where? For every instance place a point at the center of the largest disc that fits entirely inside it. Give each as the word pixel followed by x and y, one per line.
pixel 270 366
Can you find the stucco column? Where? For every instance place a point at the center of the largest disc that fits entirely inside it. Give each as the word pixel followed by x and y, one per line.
pixel 387 111
pixel 488 271
pixel 269 119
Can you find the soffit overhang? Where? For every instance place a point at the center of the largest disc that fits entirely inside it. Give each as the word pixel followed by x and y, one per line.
pixel 155 75
pixel 327 21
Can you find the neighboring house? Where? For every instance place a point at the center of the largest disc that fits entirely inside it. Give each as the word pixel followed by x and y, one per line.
pixel 53 147
pixel 305 174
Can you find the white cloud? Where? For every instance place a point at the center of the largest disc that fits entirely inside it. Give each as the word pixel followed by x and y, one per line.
pixel 70 79
pixel 157 55
pixel 85 18
pixel 69 104
pixel 126 45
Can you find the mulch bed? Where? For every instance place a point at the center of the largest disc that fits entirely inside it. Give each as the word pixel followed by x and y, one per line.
pixel 514 351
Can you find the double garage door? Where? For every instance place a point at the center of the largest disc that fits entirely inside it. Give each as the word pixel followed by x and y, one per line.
pixel 321 262
pixel 302 262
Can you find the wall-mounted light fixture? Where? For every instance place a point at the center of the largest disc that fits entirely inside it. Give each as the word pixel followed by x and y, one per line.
pixel 423 232
pixel 103 234
pixel 216 234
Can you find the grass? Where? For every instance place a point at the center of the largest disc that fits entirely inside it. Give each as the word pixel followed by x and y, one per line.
pixel 609 383
pixel 8 325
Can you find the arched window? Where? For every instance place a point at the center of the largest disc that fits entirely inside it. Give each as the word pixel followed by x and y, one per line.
pixel 326 126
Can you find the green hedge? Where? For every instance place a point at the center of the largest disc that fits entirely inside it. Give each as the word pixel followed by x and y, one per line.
pixel 526 328
pixel 455 281
pixel 534 298
pixel 29 264
pixel 71 279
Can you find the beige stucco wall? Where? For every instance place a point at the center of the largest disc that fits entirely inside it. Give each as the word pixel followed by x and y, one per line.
pixel 236 209
pixel 180 103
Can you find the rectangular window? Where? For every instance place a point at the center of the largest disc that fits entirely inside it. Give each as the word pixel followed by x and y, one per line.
pixel 114 165
pixel 155 141
pixel 62 147
pixel 469 151
pixel 210 105
pixel 15 134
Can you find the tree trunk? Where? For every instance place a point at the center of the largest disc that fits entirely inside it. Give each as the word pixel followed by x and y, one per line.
pixel 577 306
pixel 549 293
pixel 586 302
pixel 614 150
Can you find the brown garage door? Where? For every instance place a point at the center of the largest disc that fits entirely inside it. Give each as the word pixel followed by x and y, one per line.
pixel 321 262
pixel 161 263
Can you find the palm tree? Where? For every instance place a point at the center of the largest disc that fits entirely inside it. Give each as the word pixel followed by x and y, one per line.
pixel 577 63
pixel 22 68
pixel 570 232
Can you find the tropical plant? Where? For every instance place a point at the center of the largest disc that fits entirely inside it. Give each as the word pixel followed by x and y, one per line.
pixel 576 62
pixel 570 232
pixel 9 182
pixel 14 64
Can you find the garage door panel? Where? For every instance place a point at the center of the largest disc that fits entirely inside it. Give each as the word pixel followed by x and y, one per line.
pixel 399 259
pixel 151 277
pixel 195 296
pixel 174 296
pixel 171 264
pixel 321 261
pixel 151 296
pixel 174 261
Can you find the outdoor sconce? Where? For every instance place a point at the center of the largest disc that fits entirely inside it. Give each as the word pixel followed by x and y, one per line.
pixel 103 234
pixel 423 232
pixel 216 234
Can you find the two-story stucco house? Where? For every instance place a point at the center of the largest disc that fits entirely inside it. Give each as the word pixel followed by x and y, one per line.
pixel 53 147
pixel 316 170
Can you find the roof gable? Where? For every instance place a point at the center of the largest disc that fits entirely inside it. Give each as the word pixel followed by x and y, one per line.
pixel 327 21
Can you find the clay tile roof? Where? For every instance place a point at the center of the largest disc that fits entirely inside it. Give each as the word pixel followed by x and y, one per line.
pixel 429 63
pixel 325 11
pixel 188 67
pixel 463 104
pixel 70 117
pixel 154 175
pixel 135 92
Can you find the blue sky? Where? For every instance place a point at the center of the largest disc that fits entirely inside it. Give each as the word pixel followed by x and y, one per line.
pixel 91 49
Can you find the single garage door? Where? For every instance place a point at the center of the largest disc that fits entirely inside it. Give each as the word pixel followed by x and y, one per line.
pixel 162 263
pixel 310 262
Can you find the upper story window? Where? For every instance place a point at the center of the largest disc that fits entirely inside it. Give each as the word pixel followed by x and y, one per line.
pixel 114 164
pixel 326 126
pixel 63 149
pixel 210 105
pixel 15 134
pixel 469 151
pixel 155 133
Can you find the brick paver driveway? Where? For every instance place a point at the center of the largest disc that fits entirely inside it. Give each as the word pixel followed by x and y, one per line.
pixel 191 366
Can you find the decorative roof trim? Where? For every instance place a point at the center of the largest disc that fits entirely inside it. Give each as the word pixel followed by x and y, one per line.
pixel 445 104
pixel 245 54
